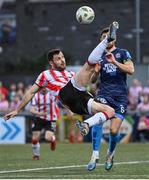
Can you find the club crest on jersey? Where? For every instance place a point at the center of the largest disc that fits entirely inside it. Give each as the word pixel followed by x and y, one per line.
pixel 117 55
pixel 102 100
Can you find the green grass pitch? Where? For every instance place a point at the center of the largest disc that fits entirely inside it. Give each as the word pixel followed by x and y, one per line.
pixel 69 162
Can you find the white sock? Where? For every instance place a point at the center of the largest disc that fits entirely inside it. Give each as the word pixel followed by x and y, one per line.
pixel 96 54
pixel 95 154
pixel 98 118
pixel 36 149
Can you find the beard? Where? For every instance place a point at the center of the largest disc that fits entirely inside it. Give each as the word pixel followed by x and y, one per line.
pixel 61 68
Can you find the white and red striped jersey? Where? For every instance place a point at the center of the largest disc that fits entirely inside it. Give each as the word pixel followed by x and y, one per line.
pixel 54 80
pixel 47 103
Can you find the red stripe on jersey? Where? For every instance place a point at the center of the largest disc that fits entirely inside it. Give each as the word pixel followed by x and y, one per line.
pixel 54 80
pixel 64 76
pixel 41 80
pixel 55 76
pixel 51 108
pixel 38 101
pixel 46 103
pixel 57 111
pixel 53 87
pixel 44 107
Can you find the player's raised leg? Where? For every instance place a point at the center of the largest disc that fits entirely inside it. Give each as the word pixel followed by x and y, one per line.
pixel 101 112
pixel 96 54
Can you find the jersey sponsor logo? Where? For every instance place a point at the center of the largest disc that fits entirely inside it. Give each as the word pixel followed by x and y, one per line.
pixel 110 68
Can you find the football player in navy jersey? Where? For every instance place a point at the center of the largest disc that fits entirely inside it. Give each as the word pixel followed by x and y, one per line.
pixel 116 63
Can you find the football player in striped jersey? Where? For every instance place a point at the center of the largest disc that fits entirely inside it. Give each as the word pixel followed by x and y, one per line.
pixel 53 79
pixel 44 107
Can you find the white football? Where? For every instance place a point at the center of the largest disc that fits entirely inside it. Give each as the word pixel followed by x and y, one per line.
pixel 85 15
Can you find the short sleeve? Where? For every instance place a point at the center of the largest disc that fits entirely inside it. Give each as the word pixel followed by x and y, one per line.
pixel 41 81
pixel 126 56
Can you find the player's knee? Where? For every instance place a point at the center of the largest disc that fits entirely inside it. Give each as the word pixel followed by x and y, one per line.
pixel 49 136
pixel 113 131
pixel 35 140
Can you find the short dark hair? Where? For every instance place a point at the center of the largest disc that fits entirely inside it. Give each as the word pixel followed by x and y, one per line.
pixel 104 30
pixel 52 52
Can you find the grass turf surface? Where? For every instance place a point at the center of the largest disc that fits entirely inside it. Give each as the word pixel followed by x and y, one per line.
pixel 19 157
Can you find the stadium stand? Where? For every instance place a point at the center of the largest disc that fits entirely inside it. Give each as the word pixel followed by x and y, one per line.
pixel 41 26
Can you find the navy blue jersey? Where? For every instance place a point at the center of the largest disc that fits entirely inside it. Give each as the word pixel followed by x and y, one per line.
pixel 113 86
pixel 112 79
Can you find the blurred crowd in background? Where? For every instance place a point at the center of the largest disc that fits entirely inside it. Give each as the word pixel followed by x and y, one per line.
pixel 10 97
pixel 138 105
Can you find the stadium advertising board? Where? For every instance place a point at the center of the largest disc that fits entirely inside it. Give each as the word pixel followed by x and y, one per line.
pixel 13 131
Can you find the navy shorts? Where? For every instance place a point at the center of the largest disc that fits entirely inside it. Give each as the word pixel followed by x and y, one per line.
pixel 118 103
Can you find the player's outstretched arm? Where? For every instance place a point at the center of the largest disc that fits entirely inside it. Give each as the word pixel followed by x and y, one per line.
pixel 26 98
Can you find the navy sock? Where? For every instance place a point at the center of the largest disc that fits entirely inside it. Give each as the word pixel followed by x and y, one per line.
pixel 113 140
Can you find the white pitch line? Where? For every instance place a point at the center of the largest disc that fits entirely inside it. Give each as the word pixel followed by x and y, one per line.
pixel 67 167
pixel 133 176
